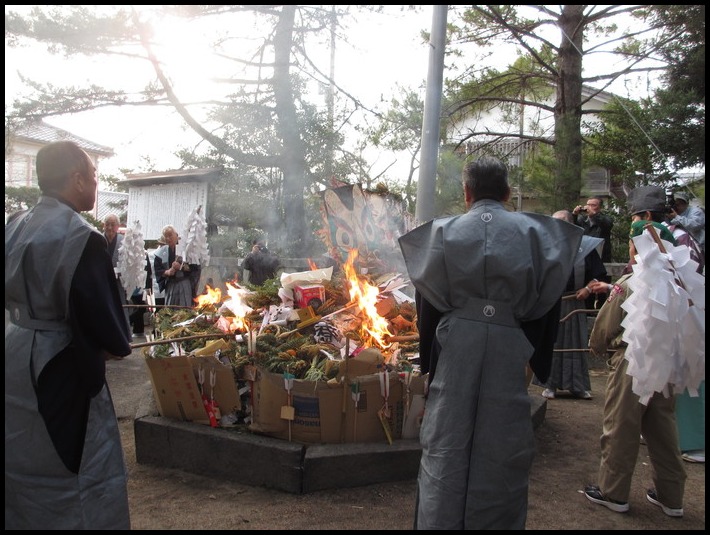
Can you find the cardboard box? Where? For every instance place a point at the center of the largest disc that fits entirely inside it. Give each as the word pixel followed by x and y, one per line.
pixel 325 412
pixel 367 421
pixel 316 414
pixel 413 405
pixel 176 389
pixel 367 362
pixel 311 295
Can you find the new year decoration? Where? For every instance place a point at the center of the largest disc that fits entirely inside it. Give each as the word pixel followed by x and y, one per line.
pixel 196 248
pixel 132 259
pixel 665 324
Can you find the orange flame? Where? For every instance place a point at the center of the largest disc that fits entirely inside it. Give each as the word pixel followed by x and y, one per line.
pixel 237 305
pixel 212 297
pixel 312 265
pixel 374 326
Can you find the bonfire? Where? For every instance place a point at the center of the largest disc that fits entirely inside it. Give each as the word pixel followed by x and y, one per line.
pixel 359 311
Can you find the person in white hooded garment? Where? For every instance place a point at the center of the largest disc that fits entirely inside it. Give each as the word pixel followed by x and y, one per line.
pixel 482 279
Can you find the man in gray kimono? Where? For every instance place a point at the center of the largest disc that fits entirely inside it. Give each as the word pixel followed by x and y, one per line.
pixel 569 368
pixel 64 465
pixel 488 273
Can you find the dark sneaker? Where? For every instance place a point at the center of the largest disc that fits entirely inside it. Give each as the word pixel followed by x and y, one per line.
pixel 595 495
pixel 585 394
pixel 653 498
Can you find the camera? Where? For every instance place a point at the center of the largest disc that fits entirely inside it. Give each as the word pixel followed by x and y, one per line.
pixel 583 210
pixel 670 201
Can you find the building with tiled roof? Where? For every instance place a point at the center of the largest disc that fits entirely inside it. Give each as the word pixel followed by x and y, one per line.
pixel 111 202
pixel 21 149
pixel 26 141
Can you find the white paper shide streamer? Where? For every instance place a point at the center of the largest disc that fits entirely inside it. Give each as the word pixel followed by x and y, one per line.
pixel 196 248
pixel 131 259
pixel 665 322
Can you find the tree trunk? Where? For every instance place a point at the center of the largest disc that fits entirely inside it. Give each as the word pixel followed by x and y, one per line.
pixel 292 161
pixel 568 106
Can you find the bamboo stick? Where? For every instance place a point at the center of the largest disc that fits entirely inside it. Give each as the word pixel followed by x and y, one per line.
pixel 346 307
pixel 404 338
pixel 182 339
pixel 131 305
pixel 580 311
pixel 288 333
pixel 656 238
pixel 610 350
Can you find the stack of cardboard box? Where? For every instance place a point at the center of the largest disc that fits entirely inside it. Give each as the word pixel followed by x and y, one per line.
pixel 361 404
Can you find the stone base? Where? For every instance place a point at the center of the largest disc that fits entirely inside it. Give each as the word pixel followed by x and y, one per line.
pixel 274 463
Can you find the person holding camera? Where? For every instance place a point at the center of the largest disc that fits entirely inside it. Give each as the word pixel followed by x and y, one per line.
pixel 691 218
pixel 595 224
pixel 261 263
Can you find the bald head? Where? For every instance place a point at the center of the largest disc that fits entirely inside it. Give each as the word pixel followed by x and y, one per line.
pixel 564 215
pixel 66 171
pixel 169 235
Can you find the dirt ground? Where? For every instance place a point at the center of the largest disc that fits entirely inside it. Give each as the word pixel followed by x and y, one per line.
pixel 567 459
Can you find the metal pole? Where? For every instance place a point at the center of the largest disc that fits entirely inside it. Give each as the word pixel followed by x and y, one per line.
pixel 426 185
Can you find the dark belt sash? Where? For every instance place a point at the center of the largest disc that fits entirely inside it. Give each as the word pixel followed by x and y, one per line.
pixel 488 311
pixel 20 316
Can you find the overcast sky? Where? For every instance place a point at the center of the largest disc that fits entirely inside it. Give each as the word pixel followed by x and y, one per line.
pixel 387 51
pixel 383 51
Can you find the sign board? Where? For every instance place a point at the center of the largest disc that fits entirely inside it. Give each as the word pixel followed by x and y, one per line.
pixel 158 205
